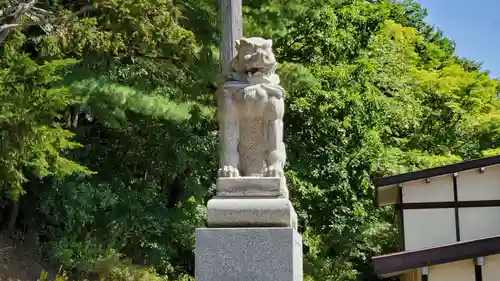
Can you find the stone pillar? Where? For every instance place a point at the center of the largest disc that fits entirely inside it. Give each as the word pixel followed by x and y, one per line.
pixel 231 29
pixel 252 225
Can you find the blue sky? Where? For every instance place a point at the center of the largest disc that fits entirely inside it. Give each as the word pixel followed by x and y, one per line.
pixel 473 25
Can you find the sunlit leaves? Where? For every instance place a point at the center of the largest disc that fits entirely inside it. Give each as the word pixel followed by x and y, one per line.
pixel 31 100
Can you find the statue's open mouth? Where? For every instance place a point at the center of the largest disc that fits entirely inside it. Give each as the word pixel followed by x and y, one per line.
pixel 254 70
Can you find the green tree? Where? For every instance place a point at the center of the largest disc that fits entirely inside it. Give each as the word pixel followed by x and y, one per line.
pixel 373 91
pixel 33 143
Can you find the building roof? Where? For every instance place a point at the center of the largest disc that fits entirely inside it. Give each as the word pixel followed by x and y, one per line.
pixel 387 191
pixel 400 262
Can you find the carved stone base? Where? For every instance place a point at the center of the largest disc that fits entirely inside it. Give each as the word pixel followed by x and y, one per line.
pixel 248 254
pixel 252 187
pixel 251 212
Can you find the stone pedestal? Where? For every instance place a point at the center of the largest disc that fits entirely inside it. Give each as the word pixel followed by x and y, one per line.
pixel 252 234
pixel 248 254
pixel 251 202
pixel 251 212
pixel 259 187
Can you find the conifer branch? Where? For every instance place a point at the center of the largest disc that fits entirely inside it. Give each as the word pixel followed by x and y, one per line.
pixel 37 16
pixel 22 9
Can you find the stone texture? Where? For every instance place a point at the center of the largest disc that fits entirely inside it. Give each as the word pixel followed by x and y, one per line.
pixel 240 212
pixel 252 187
pixel 250 106
pixel 248 254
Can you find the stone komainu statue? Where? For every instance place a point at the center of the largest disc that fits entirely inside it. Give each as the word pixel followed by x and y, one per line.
pixel 250 110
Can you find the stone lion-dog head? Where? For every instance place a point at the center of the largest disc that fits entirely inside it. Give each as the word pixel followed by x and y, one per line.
pixel 255 55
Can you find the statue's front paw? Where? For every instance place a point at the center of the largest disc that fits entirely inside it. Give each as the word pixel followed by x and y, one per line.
pixel 273 171
pixel 228 172
pixel 249 95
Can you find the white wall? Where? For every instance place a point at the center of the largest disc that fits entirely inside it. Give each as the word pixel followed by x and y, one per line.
pixel 472 185
pixel 439 189
pixel 455 271
pixel 432 227
pixel 491 268
pixel 479 222
pixel 429 227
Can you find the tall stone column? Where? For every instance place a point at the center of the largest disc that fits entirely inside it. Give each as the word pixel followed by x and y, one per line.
pixel 231 29
pixel 252 226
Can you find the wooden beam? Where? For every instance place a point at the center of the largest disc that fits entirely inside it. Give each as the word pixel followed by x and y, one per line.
pixel 457 213
pixel 402 261
pixel 231 20
pixel 438 171
pixel 448 204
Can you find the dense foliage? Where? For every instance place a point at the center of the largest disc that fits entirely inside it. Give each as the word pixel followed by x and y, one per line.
pixel 108 135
